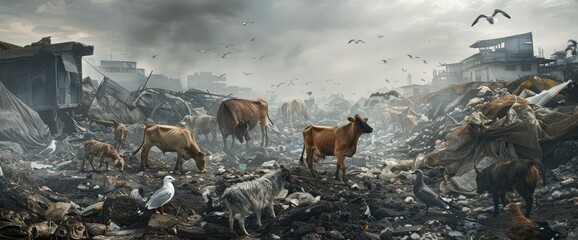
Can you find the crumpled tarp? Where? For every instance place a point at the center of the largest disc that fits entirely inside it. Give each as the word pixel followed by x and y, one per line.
pixel 20 124
pixel 508 128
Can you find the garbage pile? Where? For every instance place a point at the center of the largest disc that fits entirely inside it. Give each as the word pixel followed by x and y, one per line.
pixel 47 196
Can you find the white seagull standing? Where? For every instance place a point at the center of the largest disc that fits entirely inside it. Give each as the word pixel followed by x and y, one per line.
pixel 50 149
pixel 491 19
pixel 163 195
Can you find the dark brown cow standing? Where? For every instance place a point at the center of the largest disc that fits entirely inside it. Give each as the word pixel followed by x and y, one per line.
pixel 237 117
pixel 171 139
pixel 338 141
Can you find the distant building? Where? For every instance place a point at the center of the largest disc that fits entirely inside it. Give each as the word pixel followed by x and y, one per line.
pixel 414 90
pixel 451 75
pixel 125 73
pixel 162 81
pixel 208 82
pixel 47 77
pixel 505 58
pixel 560 65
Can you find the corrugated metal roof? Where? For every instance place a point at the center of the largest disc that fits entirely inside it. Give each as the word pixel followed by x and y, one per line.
pixel 7 46
pixel 77 48
pixel 496 41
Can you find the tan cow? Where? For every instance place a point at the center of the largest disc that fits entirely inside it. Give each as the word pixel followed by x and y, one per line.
pixel 286 112
pixel 299 110
pixel 202 124
pixel 237 117
pixel 104 151
pixel 120 134
pixel 171 139
pixel 338 141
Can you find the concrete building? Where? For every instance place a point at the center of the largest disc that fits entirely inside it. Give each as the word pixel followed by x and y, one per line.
pixel 505 58
pixel 164 82
pixel 451 75
pixel 414 90
pixel 561 65
pixel 125 73
pixel 208 82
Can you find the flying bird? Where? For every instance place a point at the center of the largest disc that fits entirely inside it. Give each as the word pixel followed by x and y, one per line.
pixel 379 36
pixel 50 149
pixel 441 64
pixel 252 39
pixel 229 45
pixel 247 74
pixel 163 195
pixel 424 194
pixel 222 75
pixel 387 80
pixel 423 80
pixel 491 18
pixel 154 56
pixel 329 80
pixel 307 83
pixel 412 56
pixel 309 93
pixel 384 60
pixel 206 50
pixel 225 54
pixel 424 61
pixel 246 23
pixel 403 70
pixel 281 83
pixel 355 41
pixel 261 57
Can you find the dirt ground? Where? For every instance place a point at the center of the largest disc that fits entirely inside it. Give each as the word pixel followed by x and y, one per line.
pixel 341 213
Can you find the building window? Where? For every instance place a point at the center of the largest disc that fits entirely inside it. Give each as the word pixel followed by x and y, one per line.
pixel 510 67
pixel 526 67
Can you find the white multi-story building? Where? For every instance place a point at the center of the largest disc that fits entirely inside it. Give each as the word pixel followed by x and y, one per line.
pixel 125 73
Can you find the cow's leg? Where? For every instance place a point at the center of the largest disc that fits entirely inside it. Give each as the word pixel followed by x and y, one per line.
pixel 83 162
pixel 310 158
pixel 264 137
pixel 214 137
pixel 242 224
pixel 179 164
pixel 224 141
pixel 258 212
pixel 340 166
pixel 232 141
pixel 91 160
pixel 144 157
pixel 272 209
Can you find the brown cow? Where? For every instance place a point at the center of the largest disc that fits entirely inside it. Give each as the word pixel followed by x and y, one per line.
pixel 202 124
pixel 286 112
pixel 299 110
pixel 104 151
pixel 237 117
pixel 120 134
pixel 171 139
pixel 338 141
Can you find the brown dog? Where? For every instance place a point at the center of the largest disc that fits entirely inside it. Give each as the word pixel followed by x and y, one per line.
pixel 120 133
pixel 106 152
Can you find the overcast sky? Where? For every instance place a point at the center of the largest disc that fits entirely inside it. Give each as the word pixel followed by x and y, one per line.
pixel 299 38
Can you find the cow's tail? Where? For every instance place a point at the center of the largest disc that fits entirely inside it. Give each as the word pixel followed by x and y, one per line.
pixel 270 119
pixel 143 139
pixel 302 152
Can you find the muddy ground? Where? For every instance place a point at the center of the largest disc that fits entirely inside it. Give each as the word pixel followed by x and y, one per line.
pixel 342 212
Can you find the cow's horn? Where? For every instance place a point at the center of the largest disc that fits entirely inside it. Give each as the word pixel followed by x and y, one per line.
pixel 475 168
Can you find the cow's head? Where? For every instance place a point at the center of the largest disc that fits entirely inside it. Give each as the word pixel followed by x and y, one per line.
pixel 119 163
pixel 482 179
pixel 242 131
pixel 361 123
pixel 200 159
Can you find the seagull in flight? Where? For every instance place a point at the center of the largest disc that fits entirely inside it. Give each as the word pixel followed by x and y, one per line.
pixel 309 93
pixel 355 41
pixel 222 75
pixel 154 56
pixel 441 64
pixel 491 19
pixel 403 70
pixel 307 83
pixel 379 36
pixel 252 39
pixel 247 74
pixel 229 45
pixel 225 54
pixel 423 80
pixel 281 83
pixel 424 61
pixel 387 80
pixel 206 50
pixel 246 23
pixel 384 60
pixel 261 57
pixel 411 56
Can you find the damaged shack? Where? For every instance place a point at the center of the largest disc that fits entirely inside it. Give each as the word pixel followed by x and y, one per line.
pixel 46 77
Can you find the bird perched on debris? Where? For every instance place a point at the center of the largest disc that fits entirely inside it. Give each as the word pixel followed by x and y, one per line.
pixel 163 195
pixel 138 194
pixel 50 149
pixel 426 195
pixel 523 228
pixel 491 19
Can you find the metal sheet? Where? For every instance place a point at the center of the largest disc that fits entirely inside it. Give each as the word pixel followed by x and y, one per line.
pixel 69 62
